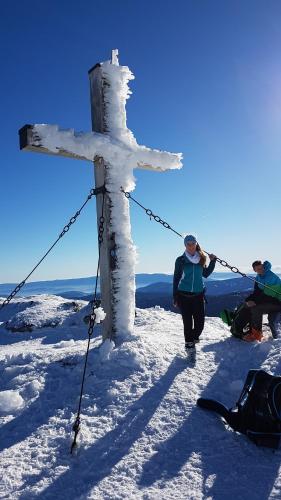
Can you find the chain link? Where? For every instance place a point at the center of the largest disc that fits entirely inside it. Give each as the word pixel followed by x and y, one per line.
pixel 150 214
pixel 66 228
pixel 95 301
pixel 92 320
pixel 222 262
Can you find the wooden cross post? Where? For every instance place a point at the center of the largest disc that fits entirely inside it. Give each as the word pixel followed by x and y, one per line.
pixel 115 152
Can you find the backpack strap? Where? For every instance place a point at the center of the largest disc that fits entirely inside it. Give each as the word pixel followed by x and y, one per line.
pixel 274 398
pixel 250 380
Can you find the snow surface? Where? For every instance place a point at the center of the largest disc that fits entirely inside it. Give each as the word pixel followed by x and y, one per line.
pixel 142 435
pixel 29 313
pixel 122 154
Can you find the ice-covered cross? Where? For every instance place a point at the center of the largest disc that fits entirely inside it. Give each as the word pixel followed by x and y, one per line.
pixel 115 151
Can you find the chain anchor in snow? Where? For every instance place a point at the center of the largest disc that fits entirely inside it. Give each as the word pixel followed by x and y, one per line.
pixel 92 320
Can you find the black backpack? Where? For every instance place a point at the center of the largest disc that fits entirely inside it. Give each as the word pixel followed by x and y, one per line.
pixel 238 320
pixel 259 408
pixel 257 413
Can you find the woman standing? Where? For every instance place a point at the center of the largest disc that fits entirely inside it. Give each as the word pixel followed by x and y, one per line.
pixel 188 288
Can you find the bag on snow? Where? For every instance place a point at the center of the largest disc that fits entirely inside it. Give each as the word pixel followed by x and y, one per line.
pixel 238 320
pixel 257 413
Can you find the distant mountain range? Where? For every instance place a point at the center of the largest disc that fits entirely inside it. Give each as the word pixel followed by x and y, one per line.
pixel 83 285
pixel 219 294
pixel 224 290
pixel 86 285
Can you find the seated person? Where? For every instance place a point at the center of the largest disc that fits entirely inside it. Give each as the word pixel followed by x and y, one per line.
pixel 265 299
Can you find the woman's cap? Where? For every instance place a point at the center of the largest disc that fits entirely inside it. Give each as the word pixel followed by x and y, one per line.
pixel 190 239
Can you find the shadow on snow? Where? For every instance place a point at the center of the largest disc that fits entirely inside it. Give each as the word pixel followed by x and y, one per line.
pixel 232 466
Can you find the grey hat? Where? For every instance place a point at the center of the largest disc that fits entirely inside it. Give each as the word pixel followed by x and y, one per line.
pixel 190 239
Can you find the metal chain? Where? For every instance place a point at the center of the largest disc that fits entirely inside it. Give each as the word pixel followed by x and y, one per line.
pixel 223 263
pixel 66 228
pixel 92 321
pixel 150 214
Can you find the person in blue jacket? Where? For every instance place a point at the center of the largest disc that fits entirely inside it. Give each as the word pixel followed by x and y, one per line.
pixel 188 288
pixel 265 299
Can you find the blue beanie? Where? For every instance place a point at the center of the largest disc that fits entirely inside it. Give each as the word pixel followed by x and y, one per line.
pixel 190 239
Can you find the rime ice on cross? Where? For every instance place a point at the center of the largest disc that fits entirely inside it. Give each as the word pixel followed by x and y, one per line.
pixel 115 151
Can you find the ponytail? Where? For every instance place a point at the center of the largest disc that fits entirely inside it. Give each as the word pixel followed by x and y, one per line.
pixel 203 257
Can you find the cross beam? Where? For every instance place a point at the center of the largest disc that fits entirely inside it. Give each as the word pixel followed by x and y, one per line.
pixel 30 141
pixel 90 147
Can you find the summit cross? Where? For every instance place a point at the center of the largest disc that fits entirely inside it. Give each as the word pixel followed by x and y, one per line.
pixel 115 153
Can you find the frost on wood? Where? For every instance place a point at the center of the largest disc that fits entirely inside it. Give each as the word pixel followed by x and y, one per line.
pixel 121 152
pixel 118 146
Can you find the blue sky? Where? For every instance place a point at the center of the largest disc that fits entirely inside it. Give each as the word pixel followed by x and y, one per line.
pixel 207 84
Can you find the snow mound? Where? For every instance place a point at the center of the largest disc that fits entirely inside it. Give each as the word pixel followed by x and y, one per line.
pixel 17 305
pixel 105 349
pixel 40 311
pixel 10 402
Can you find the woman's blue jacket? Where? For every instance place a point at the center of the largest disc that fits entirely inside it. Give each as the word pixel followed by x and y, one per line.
pixel 188 277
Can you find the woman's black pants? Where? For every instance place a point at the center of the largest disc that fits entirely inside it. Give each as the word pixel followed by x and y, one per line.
pixel 192 308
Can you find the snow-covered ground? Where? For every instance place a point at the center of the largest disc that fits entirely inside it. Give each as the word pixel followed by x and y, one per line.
pixel 142 436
